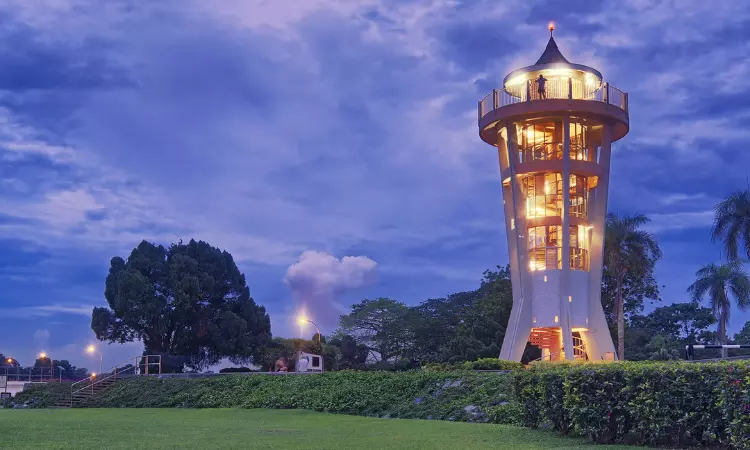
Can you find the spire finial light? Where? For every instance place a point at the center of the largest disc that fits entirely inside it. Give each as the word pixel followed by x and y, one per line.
pixel 551 27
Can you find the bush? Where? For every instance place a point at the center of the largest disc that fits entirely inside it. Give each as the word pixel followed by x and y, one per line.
pixel 666 404
pixel 39 395
pixel 480 364
pixel 464 396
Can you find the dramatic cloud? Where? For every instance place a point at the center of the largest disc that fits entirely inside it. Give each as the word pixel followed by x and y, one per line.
pixel 318 279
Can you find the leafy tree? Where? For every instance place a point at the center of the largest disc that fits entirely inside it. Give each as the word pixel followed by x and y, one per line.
pixel 466 325
pixel 7 361
pixel 719 282
pixel 680 321
pixel 636 289
pixel 188 300
pixel 351 354
pixel 732 224
pixel 743 337
pixel 663 348
pixel 628 250
pixel 379 324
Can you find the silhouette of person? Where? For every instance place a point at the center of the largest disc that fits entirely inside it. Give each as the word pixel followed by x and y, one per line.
pixel 541 86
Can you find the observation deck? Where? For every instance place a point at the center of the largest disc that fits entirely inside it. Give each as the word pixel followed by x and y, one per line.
pixel 566 88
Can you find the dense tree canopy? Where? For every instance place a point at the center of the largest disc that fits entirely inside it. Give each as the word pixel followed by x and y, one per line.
pixel 188 300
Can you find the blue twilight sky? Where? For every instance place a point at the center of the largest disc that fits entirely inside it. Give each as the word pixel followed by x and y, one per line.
pixel 333 127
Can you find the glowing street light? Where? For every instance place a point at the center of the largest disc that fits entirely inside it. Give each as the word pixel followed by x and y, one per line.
pixel 302 320
pixel 43 355
pixel 92 350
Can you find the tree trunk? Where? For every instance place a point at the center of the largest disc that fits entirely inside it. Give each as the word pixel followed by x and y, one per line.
pixel 620 322
pixel 723 331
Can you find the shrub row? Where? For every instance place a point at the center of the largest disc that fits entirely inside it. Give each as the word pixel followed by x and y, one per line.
pixel 671 404
pixel 480 364
pixel 465 396
pixel 38 395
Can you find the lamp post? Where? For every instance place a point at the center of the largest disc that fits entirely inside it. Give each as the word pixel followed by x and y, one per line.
pixel 43 355
pixel 304 320
pixel 91 350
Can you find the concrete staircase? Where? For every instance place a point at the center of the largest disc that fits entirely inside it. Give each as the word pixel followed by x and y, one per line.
pixel 91 386
pixel 82 394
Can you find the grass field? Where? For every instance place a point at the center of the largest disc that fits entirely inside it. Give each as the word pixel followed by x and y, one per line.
pixel 255 428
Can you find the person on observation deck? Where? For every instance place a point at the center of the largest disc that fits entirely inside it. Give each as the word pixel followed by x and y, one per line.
pixel 541 83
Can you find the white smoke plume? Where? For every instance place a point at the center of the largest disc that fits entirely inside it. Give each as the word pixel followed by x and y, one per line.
pixel 318 279
pixel 41 338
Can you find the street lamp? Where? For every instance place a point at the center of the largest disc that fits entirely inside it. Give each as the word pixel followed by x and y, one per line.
pixel 91 350
pixel 43 355
pixel 303 320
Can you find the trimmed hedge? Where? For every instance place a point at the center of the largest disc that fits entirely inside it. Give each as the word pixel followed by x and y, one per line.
pixel 465 396
pixel 480 364
pixel 666 404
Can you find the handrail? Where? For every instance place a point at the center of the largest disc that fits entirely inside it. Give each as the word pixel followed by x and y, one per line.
pixel 135 366
pixel 556 88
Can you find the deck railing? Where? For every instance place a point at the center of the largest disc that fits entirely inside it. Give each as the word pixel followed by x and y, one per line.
pixel 555 88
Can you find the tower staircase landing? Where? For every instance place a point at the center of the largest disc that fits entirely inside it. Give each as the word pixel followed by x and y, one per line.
pixel 549 340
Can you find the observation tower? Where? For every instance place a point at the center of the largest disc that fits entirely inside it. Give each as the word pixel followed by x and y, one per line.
pixel 554 140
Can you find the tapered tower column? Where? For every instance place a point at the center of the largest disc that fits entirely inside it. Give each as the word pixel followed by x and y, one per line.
pixel 553 124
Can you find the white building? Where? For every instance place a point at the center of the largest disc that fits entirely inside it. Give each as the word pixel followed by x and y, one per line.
pixel 554 138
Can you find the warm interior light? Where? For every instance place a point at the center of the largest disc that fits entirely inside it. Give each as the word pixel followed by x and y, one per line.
pixel 516 80
pixel 567 73
pixel 570 299
pixel 579 329
pixel 557 319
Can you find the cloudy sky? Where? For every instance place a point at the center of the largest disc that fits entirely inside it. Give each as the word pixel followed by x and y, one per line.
pixel 329 145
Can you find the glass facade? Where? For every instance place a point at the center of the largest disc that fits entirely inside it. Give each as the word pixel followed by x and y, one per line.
pixel 543 195
pixel 545 247
pixel 579 196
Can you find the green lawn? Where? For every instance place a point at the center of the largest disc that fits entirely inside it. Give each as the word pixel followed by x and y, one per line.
pixel 255 428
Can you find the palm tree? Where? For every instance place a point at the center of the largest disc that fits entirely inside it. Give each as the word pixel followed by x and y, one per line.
pixel 732 223
pixel 627 250
pixel 719 281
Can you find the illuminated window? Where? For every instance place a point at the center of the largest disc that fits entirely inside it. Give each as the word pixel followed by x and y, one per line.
pixel 543 195
pixel 545 252
pixel 537 142
pixel 579 195
pixel 579 247
pixel 579 150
